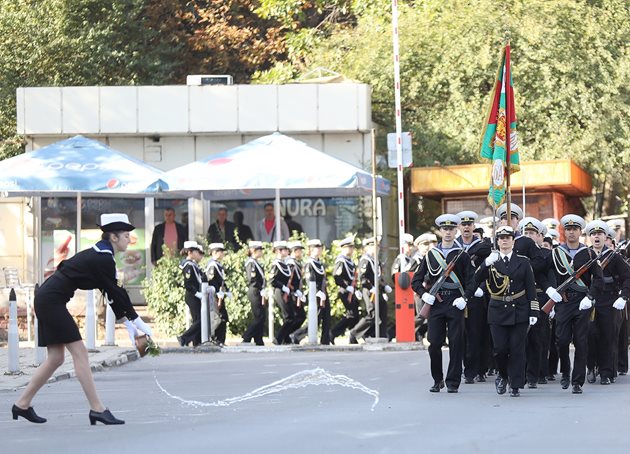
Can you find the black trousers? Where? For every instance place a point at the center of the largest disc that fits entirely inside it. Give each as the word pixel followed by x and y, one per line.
pixel 193 333
pixel 350 318
pixel 622 355
pixel 323 318
pixel 419 322
pixel 283 301
pixel 537 348
pixel 256 327
pixel 552 365
pixel 219 323
pixel 445 319
pixel 601 337
pixel 509 352
pixel 366 326
pixel 475 336
pixel 572 326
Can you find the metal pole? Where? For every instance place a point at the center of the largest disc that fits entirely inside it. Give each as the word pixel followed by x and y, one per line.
pixel 312 309
pixel 375 232
pixel 204 313
pixel 14 338
pixel 270 319
pixel 29 315
pixel 110 325
pixel 40 352
pixel 90 322
pixel 77 238
pixel 399 156
pixel 277 212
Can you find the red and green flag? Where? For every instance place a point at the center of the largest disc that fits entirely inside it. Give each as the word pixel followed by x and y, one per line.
pixel 500 125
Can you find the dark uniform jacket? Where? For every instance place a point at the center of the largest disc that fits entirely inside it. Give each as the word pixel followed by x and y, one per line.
pixel 567 262
pixel 193 277
pixel 615 278
pixel 255 274
pixel 477 249
pixel 525 246
pixel 95 268
pixel 550 274
pixel 344 273
pixel 216 276
pixel 512 290
pixel 280 274
pixel 366 273
pixel 316 268
pixel 295 268
pixel 401 263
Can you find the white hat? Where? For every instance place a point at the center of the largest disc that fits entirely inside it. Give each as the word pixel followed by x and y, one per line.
pixel 369 241
pixel 505 230
pixel 349 241
pixel 447 220
pixel 615 224
pixel 467 216
pixel 280 245
pixel 531 223
pixel 255 245
pixel 408 238
pixel 597 226
pixel 487 221
pixel 426 238
pixel 216 247
pixel 573 220
pixel 553 234
pixel 315 242
pixel 551 223
pixel 515 210
pixel 295 245
pixel 114 222
pixel 193 245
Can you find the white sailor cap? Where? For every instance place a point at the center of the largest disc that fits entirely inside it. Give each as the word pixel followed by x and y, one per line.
pixel 295 245
pixel 193 245
pixel 447 220
pixel 216 247
pixel 615 224
pixel 425 238
pixel 371 241
pixel 315 242
pixel 487 221
pixel 255 245
pixel 515 210
pixel 115 222
pixel 553 234
pixel 573 220
pixel 597 226
pixel 505 230
pixel 349 241
pixel 467 216
pixel 280 245
pixel 408 238
pixel 551 223
pixel 531 223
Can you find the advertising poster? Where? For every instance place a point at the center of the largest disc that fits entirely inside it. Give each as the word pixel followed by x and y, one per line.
pixel 57 245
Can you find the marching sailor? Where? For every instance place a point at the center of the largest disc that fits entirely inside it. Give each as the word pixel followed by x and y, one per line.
pixel 216 280
pixel 345 274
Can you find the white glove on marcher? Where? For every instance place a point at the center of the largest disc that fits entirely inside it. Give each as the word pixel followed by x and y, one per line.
pixel 388 289
pixel 358 294
pixel 139 323
pixel 459 303
pixel 552 314
pixel 532 321
pixel 349 289
pixel 385 297
pixel 373 290
pixel 478 292
pixel 132 330
pixel 586 303
pixel 220 295
pixel 553 294
pixel 299 293
pixel 619 304
pixel 302 299
pixel 428 298
pixel 263 293
pixel 493 257
pixel 199 295
pixel 286 289
pixel 321 295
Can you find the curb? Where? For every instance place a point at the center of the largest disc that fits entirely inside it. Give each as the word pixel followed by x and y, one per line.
pixel 368 347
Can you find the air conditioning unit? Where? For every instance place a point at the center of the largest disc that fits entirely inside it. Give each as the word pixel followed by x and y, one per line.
pixel 209 79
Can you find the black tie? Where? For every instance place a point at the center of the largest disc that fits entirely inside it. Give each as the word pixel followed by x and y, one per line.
pixel 506 259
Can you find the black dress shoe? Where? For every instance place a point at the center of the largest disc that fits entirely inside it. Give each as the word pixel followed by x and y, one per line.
pixel 590 376
pixel 28 414
pixel 451 389
pixel 352 340
pixel 437 386
pixel 542 381
pixel 551 377
pixel 180 339
pixel 501 385
pixel 613 379
pixel 565 382
pixel 623 372
pixel 577 389
pixel 514 392
pixel 532 385
pixel 605 381
pixel 481 378
pixel 105 417
pixel 469 380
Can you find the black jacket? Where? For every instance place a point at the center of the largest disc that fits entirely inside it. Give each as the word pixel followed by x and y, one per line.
pixel 215 235
pixel 430 271
pixel 157 241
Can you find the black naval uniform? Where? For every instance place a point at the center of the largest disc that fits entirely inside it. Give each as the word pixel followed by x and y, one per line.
pixel 90 269
pixel 419 323
pixel 476 333
pixel 512 289
pixel 256 283
pixel 296 298
pixel 604 329
pixel 316 268
pixel 344 273
pixel 220 319
pixel 193 277
pixel 572 323
pixel 444 317
pixel 280 278
pixel 366 326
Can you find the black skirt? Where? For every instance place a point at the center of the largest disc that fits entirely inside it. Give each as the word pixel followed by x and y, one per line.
pixel 55 324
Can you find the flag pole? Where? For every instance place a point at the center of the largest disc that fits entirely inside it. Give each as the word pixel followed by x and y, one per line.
pixel 508 108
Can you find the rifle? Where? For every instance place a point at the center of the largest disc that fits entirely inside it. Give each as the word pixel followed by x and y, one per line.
pixel 446 272
pixel 570 280
pixel 354 286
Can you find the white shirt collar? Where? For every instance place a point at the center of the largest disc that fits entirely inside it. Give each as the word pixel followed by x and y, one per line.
pixel 509 256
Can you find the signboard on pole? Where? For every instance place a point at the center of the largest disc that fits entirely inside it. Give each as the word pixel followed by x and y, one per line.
pixel 406 150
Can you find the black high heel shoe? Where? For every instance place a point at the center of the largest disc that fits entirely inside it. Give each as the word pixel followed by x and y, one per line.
pixel 105 417
pixel 28 414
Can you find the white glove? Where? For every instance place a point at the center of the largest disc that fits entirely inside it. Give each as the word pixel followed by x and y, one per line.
pixel 552 314
pixel 373 290
pixel 553 294
pixel 350 289
pixel 139 323
pixel 532 321
pixel 228 295
pixel 586 303
pixel 459 303
pixel 133 332
pixel 388 289
pixel 299 293
pixel 385 297
pixel 302 298
pixel 493 257
pixel 479 292
pixel 619 304
pixel 358 294
pixel 286 289
pixel 220 295
pixel 428 298
pixel 321 295
pixel 263 293
pixel 199 295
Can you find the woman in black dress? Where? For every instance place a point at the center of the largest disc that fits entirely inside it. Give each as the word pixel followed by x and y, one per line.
pixel 93 268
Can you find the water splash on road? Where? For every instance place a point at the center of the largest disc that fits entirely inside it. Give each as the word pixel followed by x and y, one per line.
pixel 302 379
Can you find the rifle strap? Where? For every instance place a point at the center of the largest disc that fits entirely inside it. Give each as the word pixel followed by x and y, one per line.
pixel 442 262
pixel 564 259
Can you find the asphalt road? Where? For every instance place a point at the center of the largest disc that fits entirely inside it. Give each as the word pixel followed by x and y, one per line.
pixel 271 403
